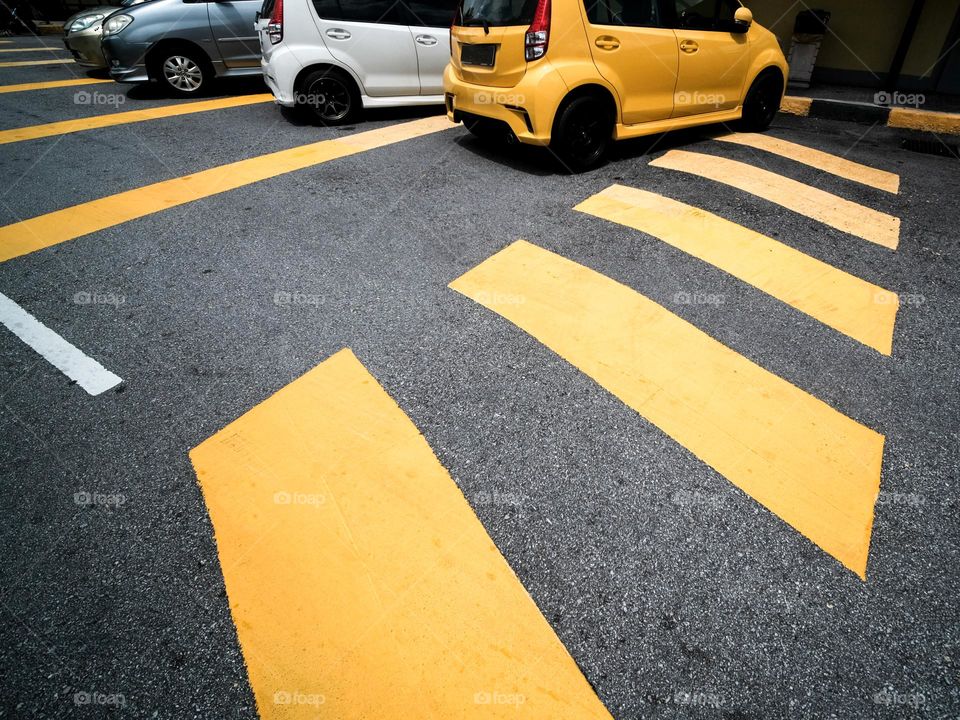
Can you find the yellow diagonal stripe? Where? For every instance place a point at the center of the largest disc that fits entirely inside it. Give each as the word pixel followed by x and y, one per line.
pixel 50 84
pixel 360 581
pixel 850 217
pixel 815 468
pixel 31 49
pixel 45 230
pixel 30 63
pixel 864 311
pixel 132 116
pixel 833 164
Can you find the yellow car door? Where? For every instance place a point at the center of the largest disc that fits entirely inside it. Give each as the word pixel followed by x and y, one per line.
pixel 714 56
pixel 636 53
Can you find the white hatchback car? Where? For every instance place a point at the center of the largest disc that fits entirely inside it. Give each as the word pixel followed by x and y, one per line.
pixel 332 58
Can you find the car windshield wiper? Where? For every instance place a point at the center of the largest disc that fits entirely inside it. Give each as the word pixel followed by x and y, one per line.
pixel 477 20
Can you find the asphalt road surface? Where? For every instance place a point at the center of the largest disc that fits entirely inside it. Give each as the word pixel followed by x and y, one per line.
pixel 677 593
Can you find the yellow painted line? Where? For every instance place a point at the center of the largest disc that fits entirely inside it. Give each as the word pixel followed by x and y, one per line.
pixel 56 227
pixel 855 307
pixel 815 468
pixel 796 105
pixel 30 63
pixel 850 217
pixel 31 49
pixel 927 120
pixel 360 581
pixel 833 164
pixel 24 87
pixel 123 118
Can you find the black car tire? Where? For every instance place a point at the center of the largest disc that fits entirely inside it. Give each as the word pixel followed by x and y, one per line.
pixel 762 102
pixel 582 133
pixel 329 97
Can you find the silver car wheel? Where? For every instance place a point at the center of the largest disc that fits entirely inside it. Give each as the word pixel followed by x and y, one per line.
pixel 182 73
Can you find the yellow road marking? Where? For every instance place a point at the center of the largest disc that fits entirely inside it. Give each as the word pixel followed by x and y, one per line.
pixel 29 63
pixel 56 227
pixel 796 105
pixel 850 217
pixel 133 116
pixel 24 87
pixel 360 581
pixel 864 311
pixel 833 164
pixel 31 49
pixel 815 468
pixel 927 120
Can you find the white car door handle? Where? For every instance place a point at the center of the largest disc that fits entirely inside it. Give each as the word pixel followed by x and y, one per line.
pixel 428 40
pixel 338 33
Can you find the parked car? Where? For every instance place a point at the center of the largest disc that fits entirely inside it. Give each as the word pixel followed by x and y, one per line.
pixel 83 32
pixel 333 58
pixel 576 74
pixel 182 44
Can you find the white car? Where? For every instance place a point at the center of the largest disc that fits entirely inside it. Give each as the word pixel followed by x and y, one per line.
pixel 332 58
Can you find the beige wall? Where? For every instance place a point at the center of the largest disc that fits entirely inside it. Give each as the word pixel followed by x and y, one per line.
pixel 864 34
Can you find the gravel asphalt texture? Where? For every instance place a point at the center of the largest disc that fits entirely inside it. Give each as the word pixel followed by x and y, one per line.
pixel 678 595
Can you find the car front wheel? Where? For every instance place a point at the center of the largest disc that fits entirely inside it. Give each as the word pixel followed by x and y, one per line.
pixel 762 102
pixel 182 71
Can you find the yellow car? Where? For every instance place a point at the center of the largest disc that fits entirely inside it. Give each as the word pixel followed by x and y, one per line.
pixel 576 74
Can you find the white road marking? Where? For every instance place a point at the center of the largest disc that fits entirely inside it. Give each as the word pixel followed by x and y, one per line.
pixel 87 372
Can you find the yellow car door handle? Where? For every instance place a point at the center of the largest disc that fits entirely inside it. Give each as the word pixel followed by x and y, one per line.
pixel 689 46
pixel 607 42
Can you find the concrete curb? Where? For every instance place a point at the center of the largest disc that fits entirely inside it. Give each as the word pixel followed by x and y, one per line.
pixel 898 117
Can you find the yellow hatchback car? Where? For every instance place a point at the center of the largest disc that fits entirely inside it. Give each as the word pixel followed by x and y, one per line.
pixel 576 74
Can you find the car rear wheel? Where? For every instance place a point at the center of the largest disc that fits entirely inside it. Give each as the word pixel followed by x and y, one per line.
pixel 182 71
pixel 582 133
pixel 762 102
pixel 329 97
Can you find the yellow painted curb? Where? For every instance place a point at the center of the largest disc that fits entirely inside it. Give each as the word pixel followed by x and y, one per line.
pixel 926 120
pixel 796 105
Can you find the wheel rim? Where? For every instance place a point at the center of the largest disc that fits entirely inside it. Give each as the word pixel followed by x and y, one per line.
pixel 183 73
pixel 586 135
pixel 330 99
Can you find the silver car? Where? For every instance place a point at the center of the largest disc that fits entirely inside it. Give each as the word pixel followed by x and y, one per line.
pixel 83 31
pixel 182 44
